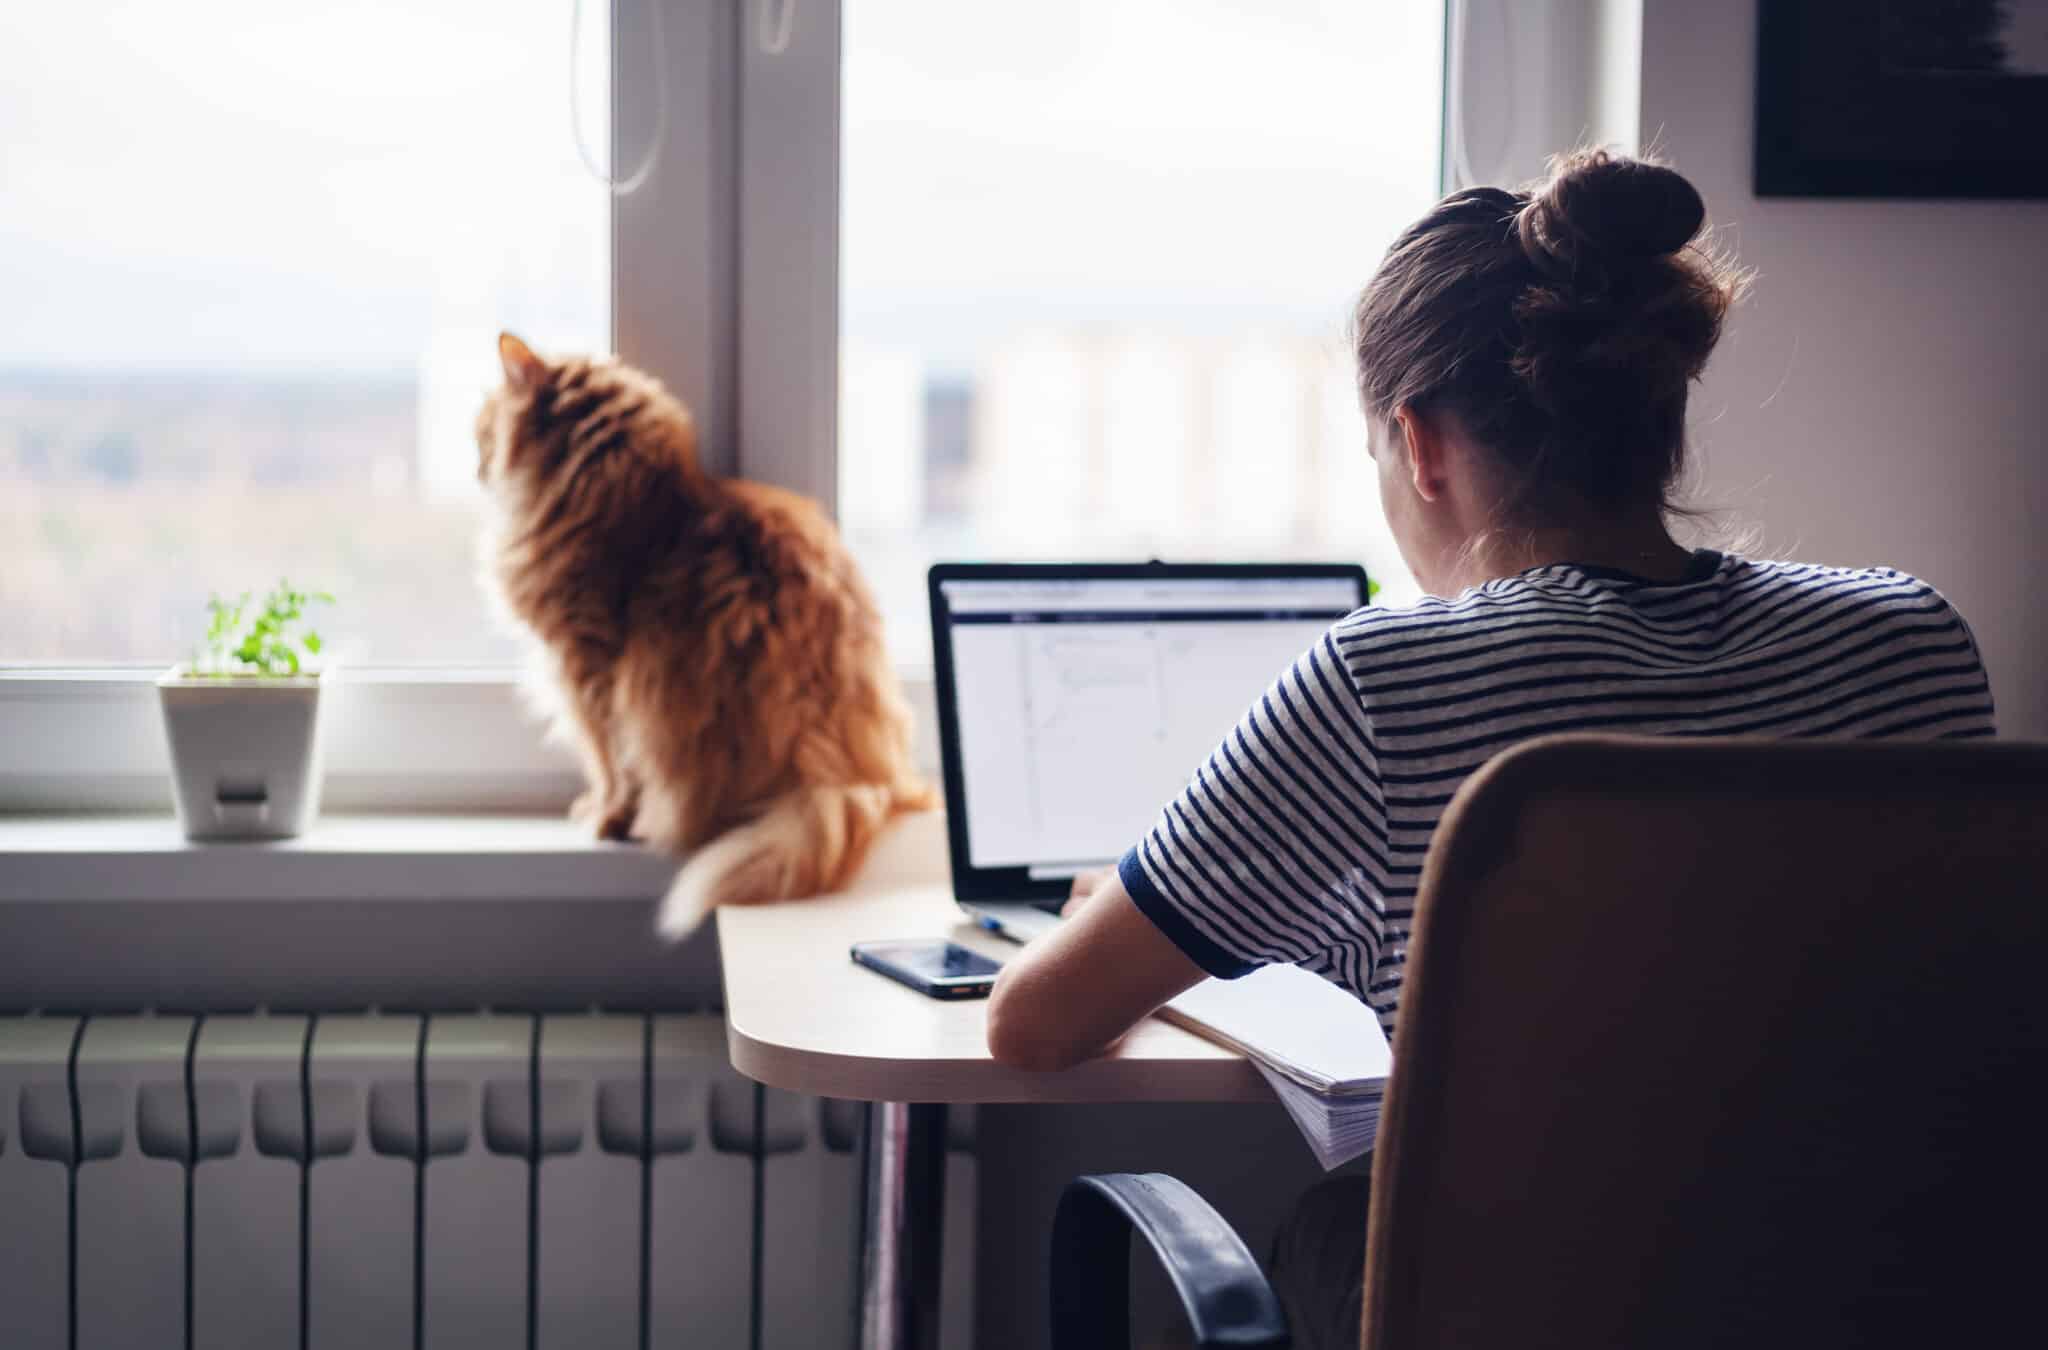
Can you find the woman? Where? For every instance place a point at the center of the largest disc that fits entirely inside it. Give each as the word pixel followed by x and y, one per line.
pixel 1524 361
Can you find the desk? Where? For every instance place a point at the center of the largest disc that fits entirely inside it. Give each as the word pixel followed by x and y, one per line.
pixel 801 1015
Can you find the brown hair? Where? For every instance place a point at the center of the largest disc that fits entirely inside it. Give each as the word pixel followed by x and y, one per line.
pixel 1559 325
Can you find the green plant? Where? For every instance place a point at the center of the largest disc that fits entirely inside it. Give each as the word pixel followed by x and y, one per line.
pixel 267 641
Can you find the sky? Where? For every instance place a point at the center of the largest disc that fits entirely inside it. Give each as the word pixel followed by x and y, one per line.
pixel 246 185
pixel 1191 162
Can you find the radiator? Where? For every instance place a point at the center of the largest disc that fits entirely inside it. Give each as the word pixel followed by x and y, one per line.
pixel 367 1181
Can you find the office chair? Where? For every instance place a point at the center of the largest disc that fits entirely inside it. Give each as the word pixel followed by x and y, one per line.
pixel 1703 1043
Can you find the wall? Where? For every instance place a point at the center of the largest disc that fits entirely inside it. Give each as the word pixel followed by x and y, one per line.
pixel 1881 398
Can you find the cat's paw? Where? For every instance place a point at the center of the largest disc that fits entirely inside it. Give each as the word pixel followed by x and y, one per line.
pixel 606 817
pixel 617 822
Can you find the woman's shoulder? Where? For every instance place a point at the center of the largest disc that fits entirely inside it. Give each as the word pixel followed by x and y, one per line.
pixel 1528 606
pixel 1858 588
pixel 1432 628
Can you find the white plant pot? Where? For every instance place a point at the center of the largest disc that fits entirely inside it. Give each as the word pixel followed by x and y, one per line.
pixel 245 752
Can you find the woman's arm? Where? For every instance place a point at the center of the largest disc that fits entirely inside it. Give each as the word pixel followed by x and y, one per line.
pixel 1075 992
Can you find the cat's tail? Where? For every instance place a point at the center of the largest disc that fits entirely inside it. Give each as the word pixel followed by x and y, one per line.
pixel 806 843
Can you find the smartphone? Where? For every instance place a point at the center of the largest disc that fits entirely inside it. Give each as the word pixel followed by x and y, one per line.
pixel 934 968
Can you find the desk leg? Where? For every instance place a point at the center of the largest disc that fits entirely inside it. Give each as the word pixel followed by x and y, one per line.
pixel 901 1225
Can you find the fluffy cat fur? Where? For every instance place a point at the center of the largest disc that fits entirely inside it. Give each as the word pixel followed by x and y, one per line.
pixel 714 655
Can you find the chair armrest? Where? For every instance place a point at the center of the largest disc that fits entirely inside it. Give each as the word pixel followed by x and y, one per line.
pixel 1226 1298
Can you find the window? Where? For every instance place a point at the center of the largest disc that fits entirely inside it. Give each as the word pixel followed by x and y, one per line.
pixel 254 258
pixel 995 281
pixel 1096 262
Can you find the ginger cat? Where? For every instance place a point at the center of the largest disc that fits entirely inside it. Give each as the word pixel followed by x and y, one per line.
pixel 714 654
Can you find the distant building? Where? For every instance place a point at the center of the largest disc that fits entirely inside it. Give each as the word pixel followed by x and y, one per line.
pixel 1166 443
pixel 1107 443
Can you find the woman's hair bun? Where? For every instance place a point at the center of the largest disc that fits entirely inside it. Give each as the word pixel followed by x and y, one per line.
pixel 1562 327
pixel 1597 210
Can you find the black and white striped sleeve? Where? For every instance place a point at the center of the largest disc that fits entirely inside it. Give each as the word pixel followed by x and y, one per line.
pixel 1269 855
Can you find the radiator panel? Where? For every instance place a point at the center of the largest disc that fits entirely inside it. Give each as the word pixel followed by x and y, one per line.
pixel 811 1217
pixel 359 1283
pixel 35 1157
pixel 132 1107
pixel 699 1273
pixel 589 1293
pixel 247 1083
pixel 474 1220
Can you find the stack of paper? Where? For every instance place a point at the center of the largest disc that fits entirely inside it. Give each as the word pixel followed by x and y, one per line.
pixel 1320 1048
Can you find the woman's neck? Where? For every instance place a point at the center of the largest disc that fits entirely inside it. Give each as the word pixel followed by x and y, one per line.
pixel 1641 547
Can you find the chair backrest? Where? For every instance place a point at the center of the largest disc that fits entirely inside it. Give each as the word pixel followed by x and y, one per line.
pixel 1723 1043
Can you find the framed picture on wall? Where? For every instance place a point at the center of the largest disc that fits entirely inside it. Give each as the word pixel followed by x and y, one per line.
pixel 1902 98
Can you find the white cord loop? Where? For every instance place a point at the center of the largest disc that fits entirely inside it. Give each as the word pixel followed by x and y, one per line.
pixel 777 20
pixel 621 187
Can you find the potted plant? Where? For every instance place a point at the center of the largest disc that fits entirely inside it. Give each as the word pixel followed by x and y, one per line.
pixel 243 720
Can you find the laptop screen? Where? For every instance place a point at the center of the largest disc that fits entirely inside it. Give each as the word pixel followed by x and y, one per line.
pixel 1082 704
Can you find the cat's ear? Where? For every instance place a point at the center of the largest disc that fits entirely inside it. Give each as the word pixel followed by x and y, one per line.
pixel 523 369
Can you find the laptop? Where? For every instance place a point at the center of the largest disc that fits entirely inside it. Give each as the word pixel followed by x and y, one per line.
pixel 1077 699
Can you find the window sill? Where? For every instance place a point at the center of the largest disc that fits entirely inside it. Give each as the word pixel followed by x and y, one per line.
pixel 111 912
pixel 395 740
pixel 344 857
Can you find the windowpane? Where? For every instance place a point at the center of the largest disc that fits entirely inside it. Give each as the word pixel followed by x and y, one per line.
pixel 1097 260
pixel 254 259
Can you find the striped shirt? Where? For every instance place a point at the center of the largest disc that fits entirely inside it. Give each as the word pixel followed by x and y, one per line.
pixel 1301 839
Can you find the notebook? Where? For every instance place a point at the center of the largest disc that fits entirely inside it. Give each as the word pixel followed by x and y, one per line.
pixel 1321 1049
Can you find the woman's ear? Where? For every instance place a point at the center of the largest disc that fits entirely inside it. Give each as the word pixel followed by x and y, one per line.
pixel 1421 449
